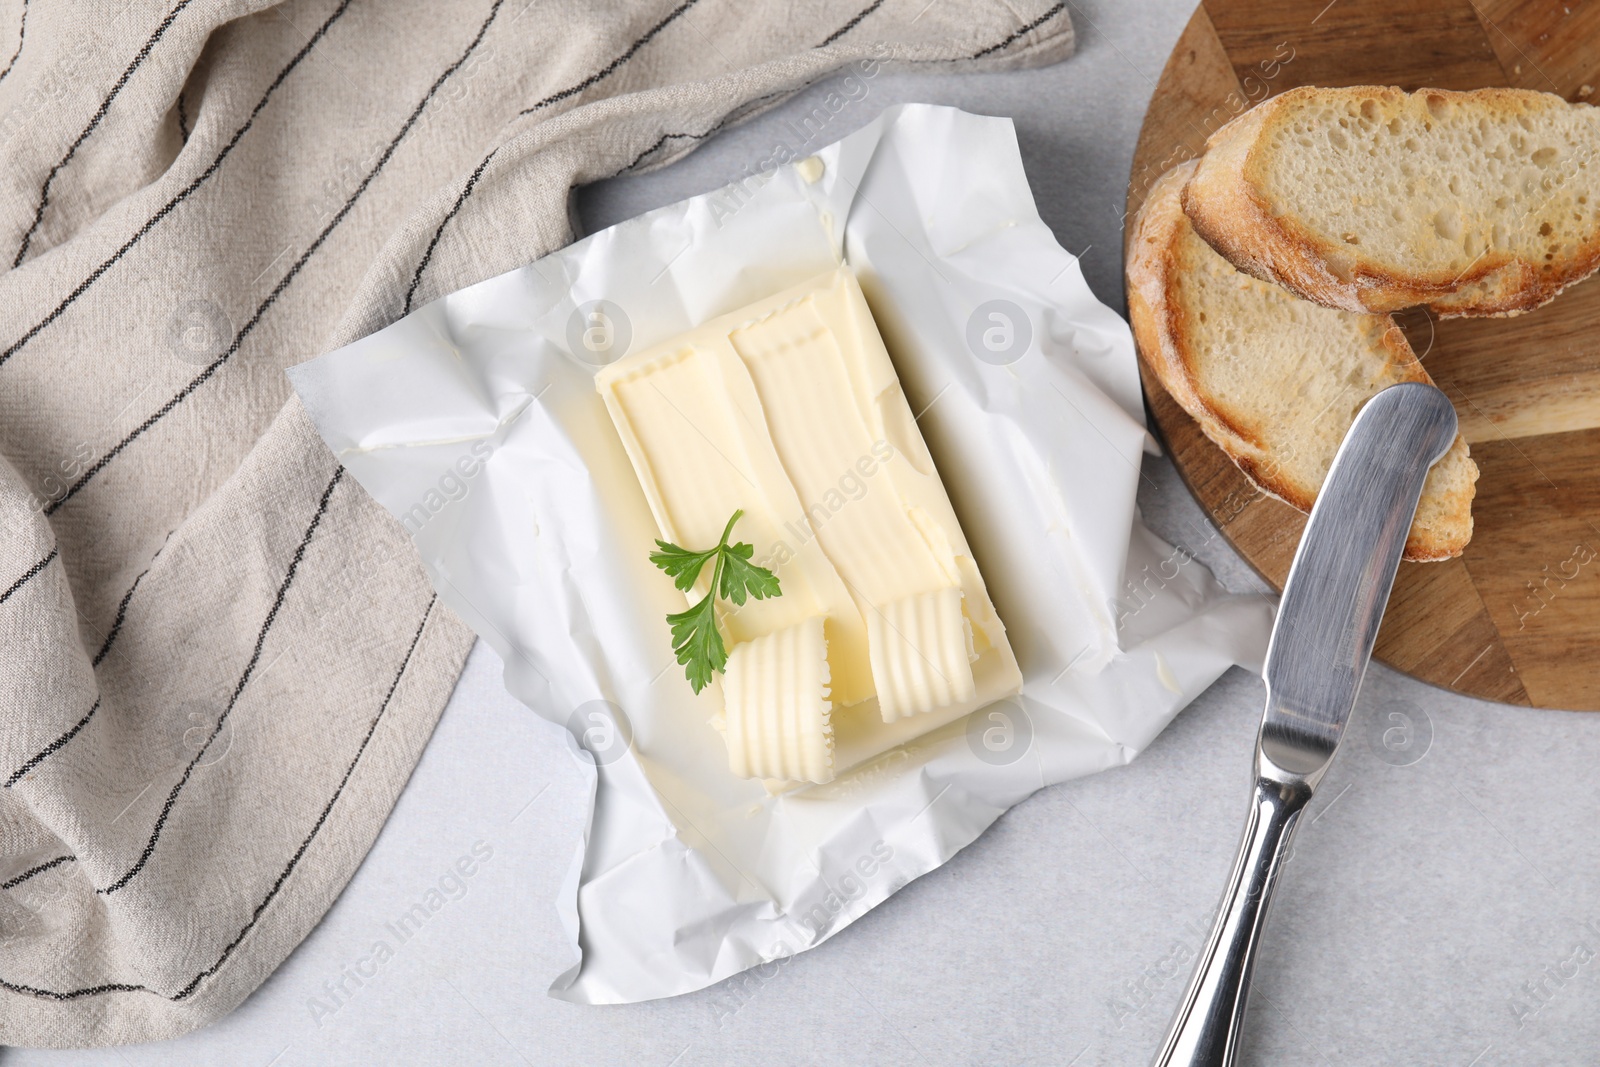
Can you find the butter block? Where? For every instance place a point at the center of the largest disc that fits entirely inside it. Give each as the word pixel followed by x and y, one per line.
pixel 813 368
pixel 696 436
pixel 791 410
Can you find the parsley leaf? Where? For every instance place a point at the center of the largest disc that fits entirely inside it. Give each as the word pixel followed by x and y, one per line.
pixel 740 576
pixel 698 643
pixel 695 637
pixel 683 565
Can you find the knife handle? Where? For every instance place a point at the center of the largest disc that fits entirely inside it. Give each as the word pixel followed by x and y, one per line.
pixel 1205 1029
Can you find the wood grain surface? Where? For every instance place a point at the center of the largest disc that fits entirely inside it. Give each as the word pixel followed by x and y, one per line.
pixel 1517 618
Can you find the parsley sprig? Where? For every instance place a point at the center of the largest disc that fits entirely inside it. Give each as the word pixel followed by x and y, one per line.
pixel 695 637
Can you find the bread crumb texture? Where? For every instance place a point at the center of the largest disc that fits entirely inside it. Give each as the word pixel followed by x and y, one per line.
pixel 1274 380
pixel 1483 202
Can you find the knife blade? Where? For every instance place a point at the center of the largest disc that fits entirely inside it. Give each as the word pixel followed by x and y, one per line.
pixel 1328 619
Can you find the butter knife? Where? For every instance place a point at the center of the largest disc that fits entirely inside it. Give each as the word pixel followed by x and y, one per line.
pixel 1327 621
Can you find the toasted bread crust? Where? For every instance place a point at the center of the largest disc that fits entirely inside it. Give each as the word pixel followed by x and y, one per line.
pixel 1432 539
pixel 1156 320
pixel 1225 203
pixel 1165 337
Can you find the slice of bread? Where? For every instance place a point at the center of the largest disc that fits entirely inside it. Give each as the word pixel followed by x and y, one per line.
pixel 1374 199
pixel 1274 380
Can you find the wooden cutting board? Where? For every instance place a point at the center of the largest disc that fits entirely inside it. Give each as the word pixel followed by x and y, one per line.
pixel 1517 618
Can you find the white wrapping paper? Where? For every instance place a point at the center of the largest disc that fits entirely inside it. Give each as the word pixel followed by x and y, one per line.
pixel 475 421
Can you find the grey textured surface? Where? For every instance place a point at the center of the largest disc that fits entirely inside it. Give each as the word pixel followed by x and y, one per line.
pixel 1442 912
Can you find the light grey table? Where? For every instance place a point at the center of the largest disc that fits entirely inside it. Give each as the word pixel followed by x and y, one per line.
pixel 1442 912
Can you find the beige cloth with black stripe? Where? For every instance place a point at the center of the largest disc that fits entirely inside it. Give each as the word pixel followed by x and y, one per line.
pixel 219 659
